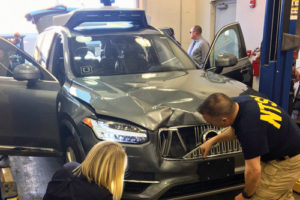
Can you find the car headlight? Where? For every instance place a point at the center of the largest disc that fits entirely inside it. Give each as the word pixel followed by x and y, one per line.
pixel 115 131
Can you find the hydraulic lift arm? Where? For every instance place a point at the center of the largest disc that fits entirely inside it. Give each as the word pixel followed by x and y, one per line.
pixel 280 38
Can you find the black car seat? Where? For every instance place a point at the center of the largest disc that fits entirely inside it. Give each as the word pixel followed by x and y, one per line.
pixel 135 59
pixel 109 61
pixel 83 66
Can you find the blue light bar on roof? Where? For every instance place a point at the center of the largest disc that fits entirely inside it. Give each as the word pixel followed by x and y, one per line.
pixel 104 25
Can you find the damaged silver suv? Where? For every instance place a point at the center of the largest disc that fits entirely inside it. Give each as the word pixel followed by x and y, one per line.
pixel 108 75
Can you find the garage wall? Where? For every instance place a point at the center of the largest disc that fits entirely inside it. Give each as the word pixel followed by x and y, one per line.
pixel 188 21
pixel 252 23
pixel 164 13
pixel 178 14
pixel 205 16
pixel 225 13
pixel 183 14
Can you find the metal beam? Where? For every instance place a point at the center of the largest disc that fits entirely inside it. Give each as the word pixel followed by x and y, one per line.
pixel 277 49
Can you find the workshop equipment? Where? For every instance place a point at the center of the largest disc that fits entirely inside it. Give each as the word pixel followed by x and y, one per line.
pixel 296 187
pixel 279 41
pixel 8 185
pixel 280 38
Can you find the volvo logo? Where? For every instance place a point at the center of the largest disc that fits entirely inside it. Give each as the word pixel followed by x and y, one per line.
pixel 208 135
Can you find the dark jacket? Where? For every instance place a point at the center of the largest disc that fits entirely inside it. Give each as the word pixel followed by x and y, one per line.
pixel 65 186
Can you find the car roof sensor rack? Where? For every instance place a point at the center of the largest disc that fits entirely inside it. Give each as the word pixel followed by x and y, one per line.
pixel 72 17
pixel 77 17
pixel 44 18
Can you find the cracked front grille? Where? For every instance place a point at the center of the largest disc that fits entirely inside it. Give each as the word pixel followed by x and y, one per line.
pixel 184 142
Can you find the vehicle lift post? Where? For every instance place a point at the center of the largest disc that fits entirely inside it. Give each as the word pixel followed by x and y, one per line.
pixel 280 38
pixel 279 41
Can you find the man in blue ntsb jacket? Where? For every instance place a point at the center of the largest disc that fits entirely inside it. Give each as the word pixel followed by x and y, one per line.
pixel 269 139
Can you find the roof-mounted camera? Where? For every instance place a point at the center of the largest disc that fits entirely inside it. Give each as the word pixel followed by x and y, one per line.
pixel 107 2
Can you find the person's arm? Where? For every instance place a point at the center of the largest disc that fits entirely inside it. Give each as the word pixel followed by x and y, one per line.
pixel 226 135
pixel 296 74
pixel 252 175
pixel 200 53
pixel 197 53
pixel 205 49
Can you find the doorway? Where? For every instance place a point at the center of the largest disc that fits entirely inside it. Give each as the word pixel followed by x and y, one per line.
pixel 225 13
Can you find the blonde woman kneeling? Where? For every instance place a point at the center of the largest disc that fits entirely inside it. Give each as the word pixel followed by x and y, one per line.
pixel 99 176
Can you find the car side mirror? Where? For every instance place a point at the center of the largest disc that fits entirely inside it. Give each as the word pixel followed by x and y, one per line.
pixel 226 60
pixel 27 72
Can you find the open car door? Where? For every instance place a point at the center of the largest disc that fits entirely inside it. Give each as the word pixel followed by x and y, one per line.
pixel 228 56
pixel 44 18
pixel 28 124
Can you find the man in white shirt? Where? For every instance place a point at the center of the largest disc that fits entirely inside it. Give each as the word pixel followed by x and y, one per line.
pixel 199 48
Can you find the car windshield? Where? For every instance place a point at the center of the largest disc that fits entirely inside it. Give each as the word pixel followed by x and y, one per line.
pixel 125 54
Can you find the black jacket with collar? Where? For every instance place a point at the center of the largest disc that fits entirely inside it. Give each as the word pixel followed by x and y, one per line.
pixel 65 186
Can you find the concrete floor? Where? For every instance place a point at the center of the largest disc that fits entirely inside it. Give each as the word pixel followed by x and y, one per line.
pixel 32 175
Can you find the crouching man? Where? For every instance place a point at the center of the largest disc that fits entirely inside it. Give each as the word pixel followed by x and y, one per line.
pixel 269 138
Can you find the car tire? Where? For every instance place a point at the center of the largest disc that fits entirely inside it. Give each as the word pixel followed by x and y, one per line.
pixel 71 153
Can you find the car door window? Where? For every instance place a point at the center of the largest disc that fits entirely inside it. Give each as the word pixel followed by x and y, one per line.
pixel 42 48
pixel 56 60
pixel 11 56
pixel 227 42
pixel 5 64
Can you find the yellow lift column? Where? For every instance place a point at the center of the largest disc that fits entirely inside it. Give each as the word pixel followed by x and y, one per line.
pixel 296 187
pixel 8 185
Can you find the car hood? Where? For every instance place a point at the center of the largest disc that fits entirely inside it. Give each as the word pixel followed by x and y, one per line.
pixel 154 100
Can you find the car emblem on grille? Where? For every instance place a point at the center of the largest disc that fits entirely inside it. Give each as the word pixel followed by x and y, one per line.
pixel 208 135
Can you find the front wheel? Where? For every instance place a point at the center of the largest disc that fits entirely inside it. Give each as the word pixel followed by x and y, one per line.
pixel 71 151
